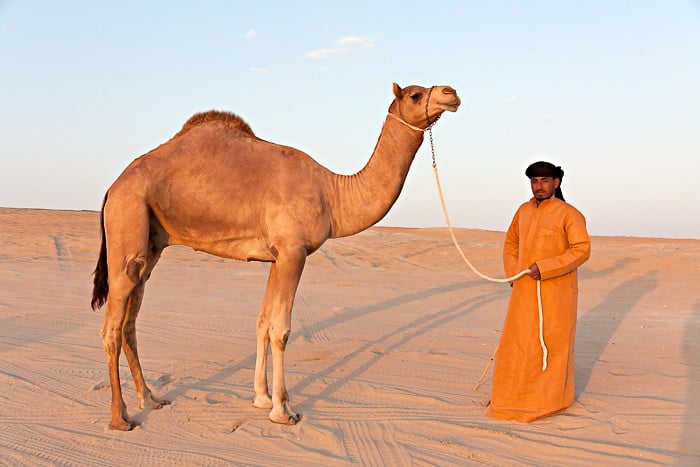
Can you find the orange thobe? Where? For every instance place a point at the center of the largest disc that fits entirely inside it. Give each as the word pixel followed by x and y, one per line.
pixel 554 236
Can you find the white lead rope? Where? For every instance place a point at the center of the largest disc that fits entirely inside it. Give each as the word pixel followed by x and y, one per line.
pixel 522 273
pixel 539 310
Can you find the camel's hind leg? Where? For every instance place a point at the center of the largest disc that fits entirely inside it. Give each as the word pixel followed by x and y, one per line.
pixel 148 401
pixel 118 302
pixel 129 263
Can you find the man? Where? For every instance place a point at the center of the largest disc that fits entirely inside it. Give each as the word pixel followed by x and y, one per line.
pixel 548 237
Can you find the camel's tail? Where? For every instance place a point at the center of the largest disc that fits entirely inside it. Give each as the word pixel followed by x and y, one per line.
pixel 101 286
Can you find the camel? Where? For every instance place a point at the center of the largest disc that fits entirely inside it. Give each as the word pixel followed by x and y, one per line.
pixel 218 188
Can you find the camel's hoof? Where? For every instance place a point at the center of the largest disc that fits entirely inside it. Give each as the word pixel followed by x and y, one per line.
pixel 284 417
pixel 122 425
pixel 262 402
pixel 154 404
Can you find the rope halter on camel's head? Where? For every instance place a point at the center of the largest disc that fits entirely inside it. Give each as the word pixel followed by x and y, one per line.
pixel 427 117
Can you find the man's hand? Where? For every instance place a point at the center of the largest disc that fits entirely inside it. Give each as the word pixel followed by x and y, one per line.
pixel 535 272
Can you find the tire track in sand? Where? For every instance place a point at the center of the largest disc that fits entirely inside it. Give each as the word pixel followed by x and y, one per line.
pixel 37 383
pixel 373 444
pixel 63 254
pixel 310 329
pixel 40 445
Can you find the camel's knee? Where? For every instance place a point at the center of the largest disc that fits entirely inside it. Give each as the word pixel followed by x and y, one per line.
pixel 262 322
pixel 111 340
pixel 129 335
pixel 111 335
pixel 106 331
pixel 262 327
pixel 135 268
pixel 279 337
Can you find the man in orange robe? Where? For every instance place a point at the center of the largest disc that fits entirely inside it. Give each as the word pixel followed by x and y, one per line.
pixel 548 237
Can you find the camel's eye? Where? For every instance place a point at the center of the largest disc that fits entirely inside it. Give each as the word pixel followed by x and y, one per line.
pixel 415 97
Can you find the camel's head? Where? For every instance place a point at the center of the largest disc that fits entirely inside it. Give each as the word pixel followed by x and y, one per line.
pixel 421 106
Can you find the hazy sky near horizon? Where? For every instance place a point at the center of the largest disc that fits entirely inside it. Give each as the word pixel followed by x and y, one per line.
pixel 609 90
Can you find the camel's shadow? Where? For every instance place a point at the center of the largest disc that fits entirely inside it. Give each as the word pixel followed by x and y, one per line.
pixel 405 333
pixel 623 294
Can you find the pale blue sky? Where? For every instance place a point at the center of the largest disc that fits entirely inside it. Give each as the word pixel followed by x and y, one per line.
pixel 608 89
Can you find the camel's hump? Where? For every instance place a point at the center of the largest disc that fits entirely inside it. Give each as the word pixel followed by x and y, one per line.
pixel 226 118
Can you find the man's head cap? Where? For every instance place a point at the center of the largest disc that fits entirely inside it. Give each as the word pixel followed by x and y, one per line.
pixel 544 169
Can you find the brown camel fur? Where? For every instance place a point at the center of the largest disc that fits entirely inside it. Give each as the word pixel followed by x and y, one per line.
pixel 218 188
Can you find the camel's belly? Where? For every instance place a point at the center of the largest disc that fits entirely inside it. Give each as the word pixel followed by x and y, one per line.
pixel 247 249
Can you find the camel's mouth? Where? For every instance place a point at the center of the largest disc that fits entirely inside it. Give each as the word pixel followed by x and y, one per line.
pixel 452 105
pixel 452 102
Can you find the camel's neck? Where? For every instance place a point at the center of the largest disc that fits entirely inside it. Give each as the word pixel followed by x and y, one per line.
pixel 361 200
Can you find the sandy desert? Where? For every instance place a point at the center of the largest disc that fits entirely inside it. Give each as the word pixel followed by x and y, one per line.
pixel 390 333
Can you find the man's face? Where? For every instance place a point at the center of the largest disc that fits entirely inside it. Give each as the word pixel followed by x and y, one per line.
pixel 543 187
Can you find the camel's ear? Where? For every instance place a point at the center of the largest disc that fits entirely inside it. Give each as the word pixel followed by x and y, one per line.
pixel 397 91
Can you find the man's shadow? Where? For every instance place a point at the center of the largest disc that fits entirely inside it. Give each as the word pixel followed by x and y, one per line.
pixel 689 446
pixel 596 338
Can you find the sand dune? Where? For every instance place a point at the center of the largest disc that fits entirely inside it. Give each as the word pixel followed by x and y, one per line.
pixel 390 333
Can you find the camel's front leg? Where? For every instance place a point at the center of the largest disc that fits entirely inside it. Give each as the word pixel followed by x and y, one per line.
pixel 262 395
pixel 274 326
